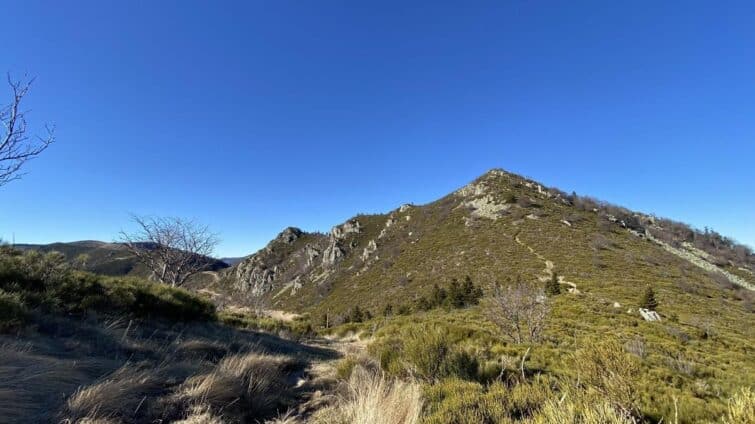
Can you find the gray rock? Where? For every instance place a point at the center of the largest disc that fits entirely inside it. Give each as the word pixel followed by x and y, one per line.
pixel 289 235
pixel 311 253
pixel 254 278
pixel 369 250
pixel 348 227
pixel 649 315
pixel 332 254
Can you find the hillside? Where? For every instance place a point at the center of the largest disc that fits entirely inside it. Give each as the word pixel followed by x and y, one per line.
pixel 104 258
pixel 377 275
pixel 497 226
pixel 504 301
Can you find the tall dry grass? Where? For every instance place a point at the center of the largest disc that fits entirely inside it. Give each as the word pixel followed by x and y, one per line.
pixel 247 385
pixel 741 407
pixel 121 395
pixel 371 398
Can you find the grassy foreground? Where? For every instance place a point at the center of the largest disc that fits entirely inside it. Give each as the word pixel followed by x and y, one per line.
pixel 81 348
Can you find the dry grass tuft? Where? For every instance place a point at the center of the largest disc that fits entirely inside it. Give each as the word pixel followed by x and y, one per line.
pixel 741 407
pixel 372 399
pixel 287 418
pixel 250 385
pixel 581 410
pixel 200 415
pixel 121 395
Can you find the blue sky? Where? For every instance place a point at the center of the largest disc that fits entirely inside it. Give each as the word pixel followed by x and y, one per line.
pixel 252 116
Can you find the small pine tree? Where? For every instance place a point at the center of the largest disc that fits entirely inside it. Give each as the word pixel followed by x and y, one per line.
pixel 455 295
pixel 552 286
pixel 438 296
pixel 356 315
pixel 472 293
pixel 648 299
pixel 468 289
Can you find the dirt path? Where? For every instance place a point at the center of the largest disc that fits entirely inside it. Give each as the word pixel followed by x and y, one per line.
pixel 549 267
pixel 318 383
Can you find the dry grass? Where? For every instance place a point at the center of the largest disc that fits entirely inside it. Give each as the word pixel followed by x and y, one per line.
pixel 71 370
pixel 201 415
pixel 251 385
pixel 122 394
pixel 26 378
pixel 741 407
pixel 582 411
pixel 370 398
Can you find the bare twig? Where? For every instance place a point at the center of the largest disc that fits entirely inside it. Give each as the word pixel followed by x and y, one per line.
pixel 174 249
pixel 16 147
pixel 523 359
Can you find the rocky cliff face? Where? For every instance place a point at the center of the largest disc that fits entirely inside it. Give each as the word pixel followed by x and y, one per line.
pixel 295 258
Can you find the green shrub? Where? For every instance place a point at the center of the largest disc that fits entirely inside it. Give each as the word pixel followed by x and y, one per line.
pixel 552 286
pixel 428 353
pixel 606 369
pixel 46 282
pixel 12 311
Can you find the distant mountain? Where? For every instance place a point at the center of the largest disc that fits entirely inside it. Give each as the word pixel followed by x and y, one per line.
pixel 498 226
pixel 103 258
pixel 232 261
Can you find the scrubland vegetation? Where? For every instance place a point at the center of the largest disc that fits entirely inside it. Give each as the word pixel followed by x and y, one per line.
pixel 469 373
pixel 530 316
pixel 81 348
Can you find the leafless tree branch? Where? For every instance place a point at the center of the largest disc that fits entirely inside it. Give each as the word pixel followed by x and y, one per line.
pixel 520 309
pixel 16 147
pixel 174 249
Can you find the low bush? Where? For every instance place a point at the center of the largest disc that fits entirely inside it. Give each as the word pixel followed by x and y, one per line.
pixel 426 352
pixel 607 370
pixel 12 311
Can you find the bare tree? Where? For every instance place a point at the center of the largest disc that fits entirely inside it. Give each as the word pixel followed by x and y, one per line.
pixel 520 310
pixel 174 249
pixel 16 147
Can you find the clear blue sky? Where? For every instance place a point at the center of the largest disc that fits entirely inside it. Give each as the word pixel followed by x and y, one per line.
pixel 252 116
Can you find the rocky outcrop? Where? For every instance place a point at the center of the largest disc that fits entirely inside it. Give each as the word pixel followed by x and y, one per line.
pixel 333 253
pixel 289 235
pixel 254 278
pixel 649 315
pixel 349 227
pixel 700 261
pixel 257 274
pixel 486 207
pixel 312 253
pixel 369 250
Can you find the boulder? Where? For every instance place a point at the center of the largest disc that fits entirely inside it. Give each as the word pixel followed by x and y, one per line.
pixel 649 315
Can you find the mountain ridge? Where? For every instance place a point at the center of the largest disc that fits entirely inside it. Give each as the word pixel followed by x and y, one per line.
pixel 488 219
